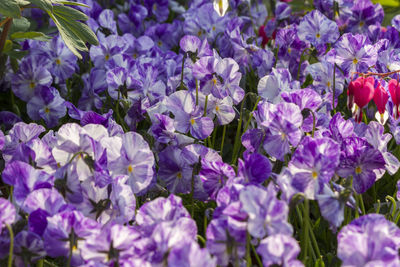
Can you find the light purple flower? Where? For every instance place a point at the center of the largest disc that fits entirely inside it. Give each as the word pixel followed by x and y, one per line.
pixel 136 161
pixel 279 249
pixel 266 214
pixel 7 213
pixel 370 240
pixel 317 29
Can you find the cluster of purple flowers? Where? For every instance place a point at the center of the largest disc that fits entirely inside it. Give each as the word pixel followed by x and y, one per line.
pixel 124 157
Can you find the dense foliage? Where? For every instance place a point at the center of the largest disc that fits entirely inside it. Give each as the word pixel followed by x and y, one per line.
pixel 199 133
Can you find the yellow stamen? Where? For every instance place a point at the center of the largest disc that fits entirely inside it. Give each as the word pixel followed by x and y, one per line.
pixel 220 6
pixel 130 168
pixel 179 175
pixel 216 108
pixel 199 33
pixel 358 170
pixel 214 81
pixel 192 121
pixel 58 62
pixel 318 35
pixel 107 56
pixel 47 110
pixel 314 175
pixel 32 85
pixel 213 28
pixel 328 84
pixel 159 43
pixel 289 50
pixel 355 61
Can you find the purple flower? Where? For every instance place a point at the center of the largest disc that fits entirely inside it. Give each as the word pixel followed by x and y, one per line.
pixel 370 240
pixel 109 47
pixel 359 159
pixel 24 178
pixel 317 29
pixel 32 73
pixel 7 213
pixel 136 161
pixel 266 214
pixel 160 210
pixel 106 21
pixel 214 175
pixel 110 245
pixel 1 140
pixel 279 249
pixel 331 205
pixel 283 129
pixel 189 254
pixel 355 53
pixel 322 74
pixel 66 230
pixel 29 247
pixel 175 172
pixel 364 14
pixel 313 164
pixel 46 104
pixel 255 168
pixel 340 128
pixel 270 86
pixel 188 116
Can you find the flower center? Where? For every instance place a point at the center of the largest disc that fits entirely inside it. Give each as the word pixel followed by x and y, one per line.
pixel 192 121
pixel 32 85
pixel 179 175
pixel 47 110
pixel 283 136
pixel 358 170
pixel 107 56
pixel 318 35
pixel 214 81
pixel 314 175
pixel 328 84
pixel 199 33
pixel 159 43
pixel 355 61
pixel 289 50
pixel 58 62
pixel 130 169
pixel 361 23
pixel 213 28
pixel 216 108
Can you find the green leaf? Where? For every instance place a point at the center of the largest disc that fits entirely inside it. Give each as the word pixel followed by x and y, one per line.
pixel 20 25
pixel 10 8
pixel 30 35
pixel 43 4
pixel 69 3
pixel 16 54
pixel 23 2
pixel 69 13
pixel 7 46
pixel 71 40
pixel 387 2
pixel 79 29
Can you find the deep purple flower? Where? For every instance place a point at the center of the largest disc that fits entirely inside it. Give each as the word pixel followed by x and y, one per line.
pixel 279 249
pixel 359 159
pixel 254 169
pixel 363 14
pixel 370 240
pixel 313 164
pixel 214 175
pixel 29 247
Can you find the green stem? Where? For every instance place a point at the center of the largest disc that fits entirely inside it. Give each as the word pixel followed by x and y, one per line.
pixel 223 140
pixel 333 88
pixel 214 136
pixel 205 106
pixel 199 237
pixel 305 241
pixel 236 145
pixel 313 123
pixel 276 55
pixel 315 243
pixel 251 115
pixel 379 206
pixel 357 205
pixel 40 263
pixel 11 250
pixel 394 206
pixel 248 245
pixel 4 33
pixel 362 204
pixel 301 61
pixel 259 262
pixel 197 92
pixel 183 67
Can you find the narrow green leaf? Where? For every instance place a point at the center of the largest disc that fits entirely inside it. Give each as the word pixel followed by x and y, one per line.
pixel 69 13
pixel 16 54
pixel 70 39
pixel 7 46
pixel 79 29
pixel 43 4
pixel 30 35
pixel 10 8
pixel 387 2
pixel 69 3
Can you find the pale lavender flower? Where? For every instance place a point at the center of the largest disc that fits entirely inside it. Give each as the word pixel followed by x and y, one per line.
pixel 7 213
